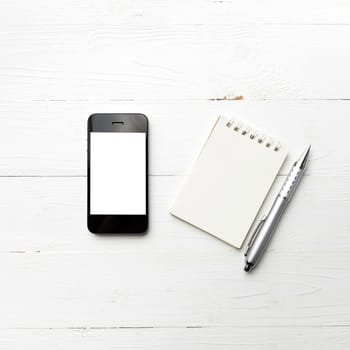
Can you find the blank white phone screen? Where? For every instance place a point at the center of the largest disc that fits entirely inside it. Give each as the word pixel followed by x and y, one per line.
pixel 118 173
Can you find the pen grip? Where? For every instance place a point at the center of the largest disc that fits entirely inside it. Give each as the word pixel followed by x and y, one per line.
pixel 267 230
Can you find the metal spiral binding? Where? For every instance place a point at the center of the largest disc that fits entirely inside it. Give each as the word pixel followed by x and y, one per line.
pixel 245 130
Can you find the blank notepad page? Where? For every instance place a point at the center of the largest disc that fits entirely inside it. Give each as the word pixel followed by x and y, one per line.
pixel 229 181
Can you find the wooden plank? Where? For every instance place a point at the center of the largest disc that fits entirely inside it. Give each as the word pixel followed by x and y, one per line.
pixel 139 288
pixel 173 12
pixel 185 338
pixel 163 61
pixel 48 138
pixel 49 215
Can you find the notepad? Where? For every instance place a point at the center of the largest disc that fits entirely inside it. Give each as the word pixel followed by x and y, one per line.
pixel 229 180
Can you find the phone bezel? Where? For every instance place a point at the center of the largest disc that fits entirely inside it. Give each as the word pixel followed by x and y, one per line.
pixel 118 224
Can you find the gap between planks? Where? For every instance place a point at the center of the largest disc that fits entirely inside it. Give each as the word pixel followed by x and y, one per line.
pixel 84 176
pixel 176 327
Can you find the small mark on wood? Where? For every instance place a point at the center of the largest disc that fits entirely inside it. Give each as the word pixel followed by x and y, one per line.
pixel 228 98
pixel 20 251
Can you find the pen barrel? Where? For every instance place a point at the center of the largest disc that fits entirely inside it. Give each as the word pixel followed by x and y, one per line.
pixel 267 230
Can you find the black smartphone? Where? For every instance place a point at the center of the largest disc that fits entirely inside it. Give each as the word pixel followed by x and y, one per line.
pixel 117 198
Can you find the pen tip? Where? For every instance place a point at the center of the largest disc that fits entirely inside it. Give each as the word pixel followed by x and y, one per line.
pixel 307 151
pixel 304 157
pixel 247 267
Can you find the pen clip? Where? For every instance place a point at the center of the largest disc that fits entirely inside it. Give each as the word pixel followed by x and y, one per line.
pixel 255 234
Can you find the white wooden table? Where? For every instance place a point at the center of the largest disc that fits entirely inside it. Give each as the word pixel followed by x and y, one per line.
pixel 181 63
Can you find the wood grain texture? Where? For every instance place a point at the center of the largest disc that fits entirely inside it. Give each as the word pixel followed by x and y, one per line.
pixel 135 288
pixel 53 219
pixel 160 61
pixel 182 63
pixel 72 278
pixel 173 12
pixel 49 138
pixel 258 338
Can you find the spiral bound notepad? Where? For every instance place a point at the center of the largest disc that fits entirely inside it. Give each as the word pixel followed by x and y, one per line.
pixel 229 181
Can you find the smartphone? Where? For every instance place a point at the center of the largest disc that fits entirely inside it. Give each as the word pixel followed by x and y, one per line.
pixel 117 170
